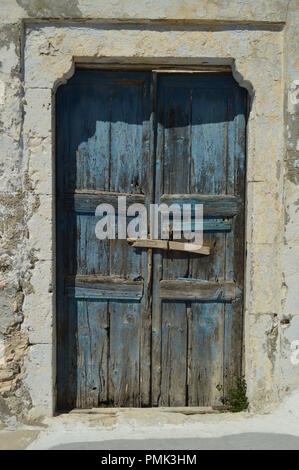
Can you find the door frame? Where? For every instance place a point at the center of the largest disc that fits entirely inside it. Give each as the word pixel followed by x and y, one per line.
pixel 262 246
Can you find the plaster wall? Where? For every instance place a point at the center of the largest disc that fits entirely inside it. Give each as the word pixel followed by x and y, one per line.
pixel 40 43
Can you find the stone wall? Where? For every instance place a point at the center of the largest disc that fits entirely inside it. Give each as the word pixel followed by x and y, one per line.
pixel 290 267
pixel 40 41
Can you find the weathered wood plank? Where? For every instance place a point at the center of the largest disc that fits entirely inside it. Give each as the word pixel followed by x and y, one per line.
pixel 156 258
pixel 87 202
pixel 175 116
pixel 209 225
pixel 204 82
pixel 126 141
pixel 100 293
pixel 99 78
pixel 173 354
pixel 87 255
pixel 104 287
pixel 148 178
pixel 205 358
pixel 92 350
pixel 198 290
pixel 124 359
pixel 213 205
pixel 209 141
pixel 172 162
pixel 67 354
pixel 169 245
pixel 113 281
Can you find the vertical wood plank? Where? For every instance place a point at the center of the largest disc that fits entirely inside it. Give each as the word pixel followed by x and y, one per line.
pixel 124 360
pixel 87 165
pixel 205 359
pixel 173 354
pixel 148 183
pixel 176 123
pixel 126 137
pixel 209 140
pixel 67 354
pixel 172 176
pixel 91 254
pixel 157 256
pixel 92 345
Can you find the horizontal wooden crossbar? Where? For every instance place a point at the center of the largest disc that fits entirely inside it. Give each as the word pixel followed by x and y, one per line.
pixel 186 289
pixel 103 287
pixel 169 245
pixel 213 205
pixel 209 225
pixel 88 201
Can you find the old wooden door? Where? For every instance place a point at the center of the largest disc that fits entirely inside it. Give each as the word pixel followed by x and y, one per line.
pixel 143 327
pixel 197 300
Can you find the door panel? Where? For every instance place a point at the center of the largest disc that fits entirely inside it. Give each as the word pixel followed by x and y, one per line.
pixel 142 327
pixel 103 151
pixel 201 149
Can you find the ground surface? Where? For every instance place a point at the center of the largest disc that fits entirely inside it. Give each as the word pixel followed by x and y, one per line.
pixel 160 429
pixel 246 441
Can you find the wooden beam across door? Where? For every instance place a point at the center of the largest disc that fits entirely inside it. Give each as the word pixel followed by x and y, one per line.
pixel 169 245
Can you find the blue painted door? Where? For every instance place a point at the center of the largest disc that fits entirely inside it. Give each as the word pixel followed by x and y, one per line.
pixel 197 300
pixel 139 327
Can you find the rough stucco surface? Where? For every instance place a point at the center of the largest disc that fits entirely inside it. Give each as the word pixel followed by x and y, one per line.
pixel 36 56
pixel 290 268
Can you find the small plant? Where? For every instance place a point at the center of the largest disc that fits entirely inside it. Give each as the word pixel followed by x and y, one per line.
pixel 236 399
